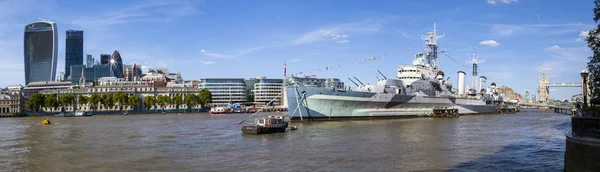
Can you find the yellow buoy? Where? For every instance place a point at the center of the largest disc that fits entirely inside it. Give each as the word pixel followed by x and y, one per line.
pixel 294 128
pixel 46 122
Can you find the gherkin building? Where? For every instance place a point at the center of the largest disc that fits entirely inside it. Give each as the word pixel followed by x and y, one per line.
pixel 116 65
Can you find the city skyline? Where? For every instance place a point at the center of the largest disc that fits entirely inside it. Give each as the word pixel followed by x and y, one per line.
pixel 517 39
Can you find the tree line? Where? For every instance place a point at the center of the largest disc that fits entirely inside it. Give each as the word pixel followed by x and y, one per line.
pixel 119 99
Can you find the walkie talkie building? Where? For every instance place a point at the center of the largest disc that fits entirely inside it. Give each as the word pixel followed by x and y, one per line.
pixel 40 51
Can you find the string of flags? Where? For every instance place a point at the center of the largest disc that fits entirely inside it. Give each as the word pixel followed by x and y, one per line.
pixel 349 63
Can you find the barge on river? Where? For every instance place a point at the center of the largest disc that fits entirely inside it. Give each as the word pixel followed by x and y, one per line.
pixel 267 124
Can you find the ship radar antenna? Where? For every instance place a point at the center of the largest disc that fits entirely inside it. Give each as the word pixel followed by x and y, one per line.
pixel 432 48
pixel 474 61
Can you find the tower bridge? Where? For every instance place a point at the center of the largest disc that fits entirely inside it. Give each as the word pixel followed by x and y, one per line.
pixel 543 90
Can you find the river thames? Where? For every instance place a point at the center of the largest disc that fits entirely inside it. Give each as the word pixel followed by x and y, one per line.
pixel 528 141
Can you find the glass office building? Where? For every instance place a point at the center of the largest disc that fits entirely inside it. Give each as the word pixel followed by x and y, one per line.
pixel 73 50
pixel 267 90
pixel 116 65
pixel 225 90
pixel 40 51
pixel 92 74
pixel 104 58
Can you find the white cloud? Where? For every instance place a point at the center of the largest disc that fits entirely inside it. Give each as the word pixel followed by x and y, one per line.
pixel 343 41
pixel 501 1
pixel 294 60
pixel 562 60
pixel 582 36
pixel 207 62
pixel 545 29
pixel 216 55
pixel 490 43
pixel 337 32
pixel 149 11
pixel 203 51
pixel 555 47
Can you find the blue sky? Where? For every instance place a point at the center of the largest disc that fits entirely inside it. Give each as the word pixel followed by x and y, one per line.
pixel 517 39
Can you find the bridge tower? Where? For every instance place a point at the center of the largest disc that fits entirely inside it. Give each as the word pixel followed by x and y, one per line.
pixel 544 91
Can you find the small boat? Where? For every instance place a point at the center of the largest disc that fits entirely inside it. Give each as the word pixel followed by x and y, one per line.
pixel 81 113
pixel 62 114
pixel 267 124
pixel 219 110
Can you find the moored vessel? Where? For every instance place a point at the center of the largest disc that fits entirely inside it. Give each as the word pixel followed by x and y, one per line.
pixel 415 92
pixel 267 124
pixel 219 110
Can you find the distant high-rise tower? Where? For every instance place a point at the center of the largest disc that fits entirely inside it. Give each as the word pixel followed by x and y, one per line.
pixel 116 65
pixel 73 50
pixel 104 58
pixel 89 60
pixel 40 51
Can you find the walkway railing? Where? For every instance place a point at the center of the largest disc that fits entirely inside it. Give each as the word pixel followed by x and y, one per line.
pixel 585 126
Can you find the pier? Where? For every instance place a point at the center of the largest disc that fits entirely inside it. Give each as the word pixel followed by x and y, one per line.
pixel 445 113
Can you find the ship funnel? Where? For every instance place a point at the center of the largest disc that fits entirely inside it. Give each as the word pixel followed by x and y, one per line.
pixel 382 74
pixel 461 83
pixel 353 82
pixel 482 80
pixel 361 83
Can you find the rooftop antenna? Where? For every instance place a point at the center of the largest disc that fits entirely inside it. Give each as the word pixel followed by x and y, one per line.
pixel 361 83
pixel 382 74
pixel 475 60
pixel 353 82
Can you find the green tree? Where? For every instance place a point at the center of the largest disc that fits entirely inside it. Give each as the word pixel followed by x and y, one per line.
pixel 149 101
pixel 94 100
pixel 191 100
pixel 66 99
pixel 107 101
pixel 83 100
pixel 51 102
pixel 204 97
pixel 177 100
pixel 134 101
pixel 163 101
pixel 594 44
pixel 121 98
pixel 36 101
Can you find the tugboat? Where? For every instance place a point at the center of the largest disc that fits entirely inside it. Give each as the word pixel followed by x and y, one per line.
pixel 267 124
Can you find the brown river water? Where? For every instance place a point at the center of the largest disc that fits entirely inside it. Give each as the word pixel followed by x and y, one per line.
pixel 528 141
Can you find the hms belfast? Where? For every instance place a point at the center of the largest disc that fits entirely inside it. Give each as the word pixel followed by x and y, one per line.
pixel 418 89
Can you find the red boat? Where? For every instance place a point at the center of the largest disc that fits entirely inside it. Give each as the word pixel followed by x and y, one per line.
pixel 219 110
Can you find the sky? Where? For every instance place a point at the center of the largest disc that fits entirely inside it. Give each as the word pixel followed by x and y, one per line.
pixel 517 40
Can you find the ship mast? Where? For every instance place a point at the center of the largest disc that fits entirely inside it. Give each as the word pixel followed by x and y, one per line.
pixel 475 61
pixel 431 50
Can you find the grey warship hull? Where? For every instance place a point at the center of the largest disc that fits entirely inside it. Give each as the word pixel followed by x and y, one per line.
pixel 330 104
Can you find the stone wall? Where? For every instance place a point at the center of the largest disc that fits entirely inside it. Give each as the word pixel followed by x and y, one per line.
pixel 582 155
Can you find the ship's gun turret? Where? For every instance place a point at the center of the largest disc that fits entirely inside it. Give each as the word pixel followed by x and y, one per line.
pixel 361 83
pixel 353 82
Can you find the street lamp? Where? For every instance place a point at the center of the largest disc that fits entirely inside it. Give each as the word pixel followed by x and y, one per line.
pixel 584 77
